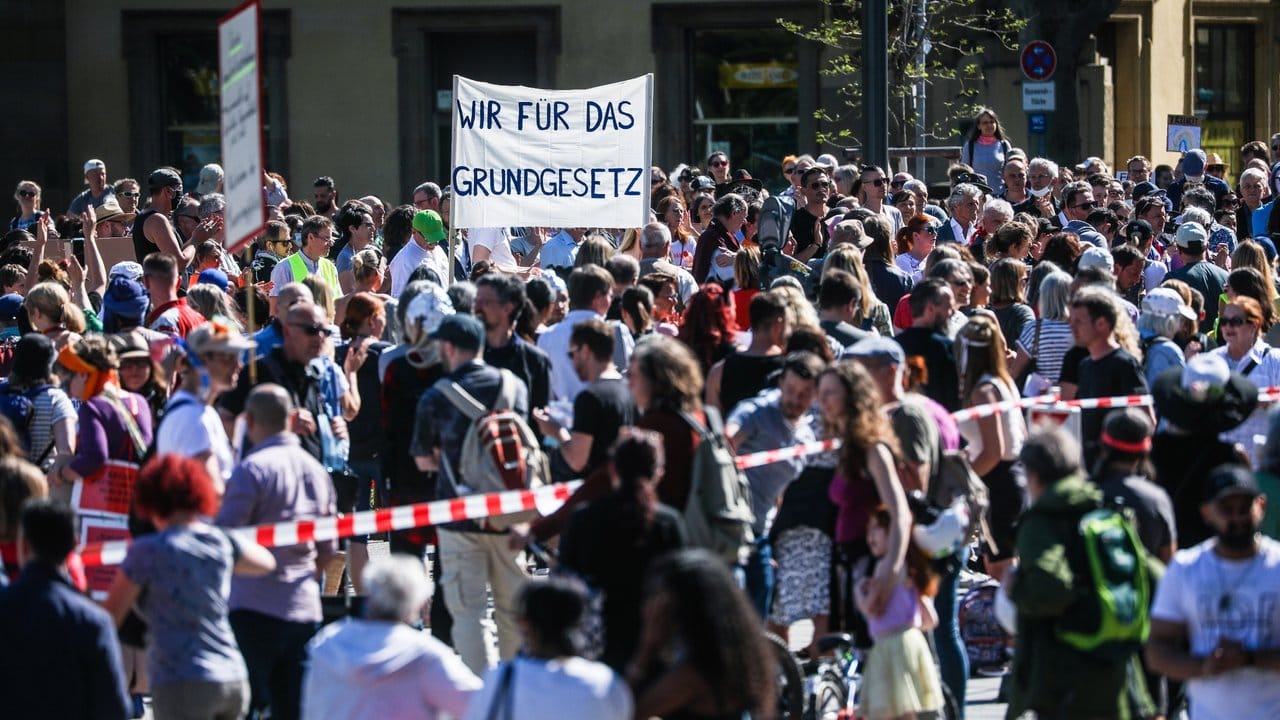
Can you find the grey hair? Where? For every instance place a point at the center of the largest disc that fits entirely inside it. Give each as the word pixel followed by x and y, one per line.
pixel 463 296
pixel 212 203
pixel 961 192
pixel 269 406
pixel 1195 215
pixel 1043 164
pixel 1254 172
pixel 1001 206
pixel 397 588
pixel 655 236
pixel 1054 302
pixel 786 281
pixel 429 189
pixel 728 205
pixel 846 172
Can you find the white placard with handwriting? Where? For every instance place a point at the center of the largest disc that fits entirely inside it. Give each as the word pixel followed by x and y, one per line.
pixel 239 79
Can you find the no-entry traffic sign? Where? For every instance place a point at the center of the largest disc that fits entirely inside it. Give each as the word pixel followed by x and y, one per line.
pixel 1038 60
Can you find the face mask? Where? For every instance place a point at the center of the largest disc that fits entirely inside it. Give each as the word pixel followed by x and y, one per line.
pixel 1041 192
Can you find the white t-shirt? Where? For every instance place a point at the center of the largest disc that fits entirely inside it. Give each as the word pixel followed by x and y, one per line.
pixel 495 239
pixel 554 689
pixel 1191 593
pixel 410 258
pixel 179 433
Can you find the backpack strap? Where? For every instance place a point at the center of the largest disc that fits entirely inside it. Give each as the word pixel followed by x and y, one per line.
pixel 461 399
pixel 132 430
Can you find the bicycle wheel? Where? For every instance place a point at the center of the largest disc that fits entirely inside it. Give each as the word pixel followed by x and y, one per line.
pixel 829 696
pixel 790 682
pixel 950 708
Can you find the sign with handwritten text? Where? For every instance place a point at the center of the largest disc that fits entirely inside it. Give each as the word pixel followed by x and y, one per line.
pixel 554 158
pixel 240 71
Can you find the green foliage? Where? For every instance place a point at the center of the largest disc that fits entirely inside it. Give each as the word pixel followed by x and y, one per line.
pixel 956 32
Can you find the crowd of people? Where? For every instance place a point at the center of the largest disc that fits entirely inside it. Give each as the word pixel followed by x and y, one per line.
pixel 341 363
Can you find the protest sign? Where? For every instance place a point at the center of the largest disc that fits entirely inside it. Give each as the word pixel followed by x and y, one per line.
pixel 241 94
pixel 100 530
pixel 108 491
pixel 554 158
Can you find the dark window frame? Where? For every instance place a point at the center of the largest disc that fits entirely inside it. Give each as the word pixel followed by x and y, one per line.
pixel 141 33
pixel 410 30
pixel 673 27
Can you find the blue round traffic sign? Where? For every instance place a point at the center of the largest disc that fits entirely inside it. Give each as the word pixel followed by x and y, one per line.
pixel 1039 60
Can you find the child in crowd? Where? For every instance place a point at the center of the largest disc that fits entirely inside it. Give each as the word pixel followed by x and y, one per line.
pixel 901 678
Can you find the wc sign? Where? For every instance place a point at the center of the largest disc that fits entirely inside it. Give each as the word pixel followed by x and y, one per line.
pixel 554 158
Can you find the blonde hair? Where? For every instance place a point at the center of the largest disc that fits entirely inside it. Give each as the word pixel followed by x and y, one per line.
pixel 746 268
pixel 849 259
pixel 52 300
pixel 980 350
pixel 367 264
pixel 800 306
pixel 1250 254
pixel 210 301
pixel 321 293
pixel 630 241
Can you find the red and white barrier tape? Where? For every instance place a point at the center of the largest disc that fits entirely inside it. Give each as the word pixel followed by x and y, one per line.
pixel 767 457
pixel 982 411
pixel 407 517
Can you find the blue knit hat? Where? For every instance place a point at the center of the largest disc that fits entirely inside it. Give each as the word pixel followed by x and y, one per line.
pixel 125 301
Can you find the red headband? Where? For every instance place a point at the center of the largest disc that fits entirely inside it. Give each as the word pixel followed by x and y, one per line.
pixel 1130 447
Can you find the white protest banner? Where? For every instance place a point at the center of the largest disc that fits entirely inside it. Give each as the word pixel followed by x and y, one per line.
pixel 553 158
pixel 241 93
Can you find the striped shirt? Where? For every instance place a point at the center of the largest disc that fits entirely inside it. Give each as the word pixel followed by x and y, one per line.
pixel 1055 341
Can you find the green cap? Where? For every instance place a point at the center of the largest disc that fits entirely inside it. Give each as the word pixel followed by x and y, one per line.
pixel 429 225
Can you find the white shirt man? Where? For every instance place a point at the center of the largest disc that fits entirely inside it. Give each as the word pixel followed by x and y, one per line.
pixel 423 249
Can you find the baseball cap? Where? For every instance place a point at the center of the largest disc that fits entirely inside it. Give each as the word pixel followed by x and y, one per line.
pixel 976 179
pixel 704 182
pixel 126 269
pixel 130 345
pixel 1094 256
pixel 1166 302
pixel 1193 163
pixel 210 178
pixel 94 164
pixel 1227 480
pixel 33 356
pixel 1144 189
pixel 429 224
pixel 1128 430
pixel 164 177
pixel 214 276
pixel 10 306
pixel 877 348
pixel 1137 231
pixel 217 335
pixel 464 331
pixel 1191 236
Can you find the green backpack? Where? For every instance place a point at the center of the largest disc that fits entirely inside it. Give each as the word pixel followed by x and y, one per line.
pixel 718 513
pixel 1113 620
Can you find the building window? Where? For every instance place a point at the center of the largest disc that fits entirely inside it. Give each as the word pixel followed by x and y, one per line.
pixel 1224 65
pixel 431 46
pixel 734 81
pixel 745 95
pixel 174 96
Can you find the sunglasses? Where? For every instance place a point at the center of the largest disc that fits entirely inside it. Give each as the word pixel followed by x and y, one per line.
pixel 1233 321
pixel 1085 206
pixel 819 185
pixel 878 182
pixel 929 229
pixel 313 330
pixel 130 194
pixel 26 193
pixel 719 164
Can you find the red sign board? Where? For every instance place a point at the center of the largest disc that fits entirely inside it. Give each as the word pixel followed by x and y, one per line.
pixel 1038 60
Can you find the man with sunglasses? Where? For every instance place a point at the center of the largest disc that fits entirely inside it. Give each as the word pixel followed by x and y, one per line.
pixel 311 259
pixel 872 189
pixel 807 226
pixel 152 229
pixel 305 329
pixel 1077 204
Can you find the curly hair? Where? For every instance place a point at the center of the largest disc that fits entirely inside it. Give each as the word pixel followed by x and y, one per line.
pixel 673 374
pixel 1063 249
pixel 708 322
pixel 170 484
pixel 720 633
pixel 865 425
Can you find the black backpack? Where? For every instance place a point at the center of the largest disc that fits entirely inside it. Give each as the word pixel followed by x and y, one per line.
pixel 20 409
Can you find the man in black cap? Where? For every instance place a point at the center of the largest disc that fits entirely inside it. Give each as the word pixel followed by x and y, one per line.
pixel 475 554
pixel 152 229
pixel 1123 474
pixel 1215 622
